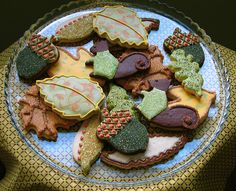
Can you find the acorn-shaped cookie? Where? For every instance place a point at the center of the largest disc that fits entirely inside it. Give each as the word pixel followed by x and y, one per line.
pixel 36 58
pixel 125 133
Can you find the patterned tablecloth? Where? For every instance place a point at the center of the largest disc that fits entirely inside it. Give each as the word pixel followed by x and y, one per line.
pixel 26 171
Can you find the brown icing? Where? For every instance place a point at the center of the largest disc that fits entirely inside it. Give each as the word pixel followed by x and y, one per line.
pixel 177 118
pixel 99 46
pixel 38 116
pixel 157 70
pixel 131 64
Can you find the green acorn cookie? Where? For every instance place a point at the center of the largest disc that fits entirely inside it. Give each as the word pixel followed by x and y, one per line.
pixel 125 133
pixel 35 58
pixel 104 64
pixel 190 43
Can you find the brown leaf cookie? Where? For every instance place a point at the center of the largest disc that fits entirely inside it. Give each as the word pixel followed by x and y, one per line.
pixel 71 65
pixel 39 117
pixel 138 82
pixel 177 118
pixel 183 98
pixel 160 147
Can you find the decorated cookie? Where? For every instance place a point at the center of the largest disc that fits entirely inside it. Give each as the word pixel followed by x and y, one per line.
pixel 160 147
pixel 71 97
pixel 125 133
pixel 179 39
pixel 35 58
pixel 38 116
pixel 75 30
pixel 118 100
pixel 70 65
pixel 131 64
pixel 177 118
pixel 153 103
pixel 151 24
pixel 186 72
pixel 187 42
pixel 120 25
pixel 139 81
pixel 87 147
pixel 162 84
pixel 183 98
pixel 100 45
pixel 115 95
pixel 104 64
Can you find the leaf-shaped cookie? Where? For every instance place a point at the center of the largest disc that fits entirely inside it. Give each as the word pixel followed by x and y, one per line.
pixel 87 147
pixel 70 65
pixel 121 25
pixel 160 147
pixel 71 97
pixel 75 30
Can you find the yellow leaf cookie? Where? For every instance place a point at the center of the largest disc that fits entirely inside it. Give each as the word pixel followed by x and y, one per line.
pixel 202 104
pixel 70 65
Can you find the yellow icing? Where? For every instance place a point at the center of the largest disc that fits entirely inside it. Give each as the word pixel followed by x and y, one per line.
pixel 201 104
pixel 70 65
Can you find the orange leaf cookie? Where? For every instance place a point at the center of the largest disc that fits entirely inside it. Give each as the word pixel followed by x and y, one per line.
pixel 70 65
pixel 202 104
pixel 39 117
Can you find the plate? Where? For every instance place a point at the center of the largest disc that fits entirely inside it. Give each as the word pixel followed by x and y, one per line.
pixel 59 154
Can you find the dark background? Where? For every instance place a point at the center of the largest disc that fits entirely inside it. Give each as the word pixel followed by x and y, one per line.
pixel 217 17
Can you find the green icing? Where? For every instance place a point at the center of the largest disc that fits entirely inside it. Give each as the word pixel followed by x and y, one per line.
pixel 116 94
pixel 126 105
pixel 153 103
pixel 194 84
pixel 186 71
pixel 30 65
pixel 132 139
pixel 196 51
pixel 105 64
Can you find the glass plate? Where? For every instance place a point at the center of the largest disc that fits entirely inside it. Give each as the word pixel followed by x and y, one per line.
pixel 59 154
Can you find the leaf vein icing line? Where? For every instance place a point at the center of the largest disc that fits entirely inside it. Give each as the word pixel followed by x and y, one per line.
pixel 78 92
pixel 100 14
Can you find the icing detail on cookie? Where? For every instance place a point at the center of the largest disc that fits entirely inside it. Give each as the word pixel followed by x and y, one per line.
pixel 115 95
pixel 202 104
pixel 160 147
pixel 70 65
pixel 112 123
pixel 75 30
pixel 186 72
pixel 151 24
pixel 120 25
pixel 132 138
pixel 104 64
pixel 136 83
pixel 43 48
pixel 179 39
pixel 153 103
pixel 87 147
pixel 177 118
pixel 100 45
pixel 131 64
pixel 38 116
pixel 162 84
pixel 71 97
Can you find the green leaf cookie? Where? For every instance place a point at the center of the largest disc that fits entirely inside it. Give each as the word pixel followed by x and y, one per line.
pixel 116 94
pixel 186 71
pixel 153 103
pixel 105 64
